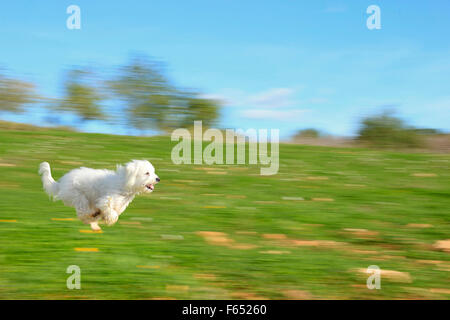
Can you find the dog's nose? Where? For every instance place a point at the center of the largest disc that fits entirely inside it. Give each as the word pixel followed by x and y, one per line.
pixel 158 179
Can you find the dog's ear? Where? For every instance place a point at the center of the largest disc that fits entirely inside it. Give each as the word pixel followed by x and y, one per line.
pixel 131 171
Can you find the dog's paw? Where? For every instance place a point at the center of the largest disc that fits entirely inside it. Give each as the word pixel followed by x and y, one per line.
pixel 95 226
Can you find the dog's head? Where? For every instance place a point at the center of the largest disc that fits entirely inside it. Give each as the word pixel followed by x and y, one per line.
pixel 139 176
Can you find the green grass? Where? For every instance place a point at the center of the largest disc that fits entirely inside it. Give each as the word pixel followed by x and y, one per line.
pixel 371 190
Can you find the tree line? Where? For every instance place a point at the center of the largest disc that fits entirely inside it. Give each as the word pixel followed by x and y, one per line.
pixel 138 94
pixel 382 130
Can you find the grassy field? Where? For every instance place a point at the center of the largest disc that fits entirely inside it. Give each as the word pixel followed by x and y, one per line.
pixel 226 232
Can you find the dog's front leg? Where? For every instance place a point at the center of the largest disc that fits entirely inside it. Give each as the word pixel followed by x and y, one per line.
pixel 109 215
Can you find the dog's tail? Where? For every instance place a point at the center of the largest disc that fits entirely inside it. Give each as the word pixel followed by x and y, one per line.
pixel 50 185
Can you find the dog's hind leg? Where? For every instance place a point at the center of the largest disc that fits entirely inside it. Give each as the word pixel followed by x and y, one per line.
pixel 91 219
pixel 86 213
pixel 95 226
pixel 96 216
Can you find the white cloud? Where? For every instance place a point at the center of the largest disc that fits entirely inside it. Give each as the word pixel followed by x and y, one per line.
pixel 267 114
pixel 273 98
pixel 276 104
pixel 229 97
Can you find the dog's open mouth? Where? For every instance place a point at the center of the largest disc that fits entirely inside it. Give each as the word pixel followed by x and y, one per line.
pixel 150 186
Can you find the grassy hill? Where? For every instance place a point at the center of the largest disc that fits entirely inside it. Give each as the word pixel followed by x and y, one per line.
pixel 220 232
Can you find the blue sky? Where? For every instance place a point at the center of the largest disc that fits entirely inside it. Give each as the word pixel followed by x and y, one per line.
pixel 276 64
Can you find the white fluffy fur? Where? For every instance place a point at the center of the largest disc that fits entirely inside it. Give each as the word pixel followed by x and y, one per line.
pixel 100 195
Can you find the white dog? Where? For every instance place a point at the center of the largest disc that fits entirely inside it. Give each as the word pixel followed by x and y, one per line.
pixel 100 195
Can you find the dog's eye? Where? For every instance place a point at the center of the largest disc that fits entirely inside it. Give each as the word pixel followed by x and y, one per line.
pixel 147 173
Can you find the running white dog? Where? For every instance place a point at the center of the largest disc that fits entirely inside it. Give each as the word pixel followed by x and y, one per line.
pixel 100 195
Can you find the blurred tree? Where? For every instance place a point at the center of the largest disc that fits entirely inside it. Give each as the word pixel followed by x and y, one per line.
pixel 142 85
pixel 16 94
pixel 308 133
pixel 428 131
pixel 385 130
pixel 202 109
pixel 153 102
pixel 82 96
